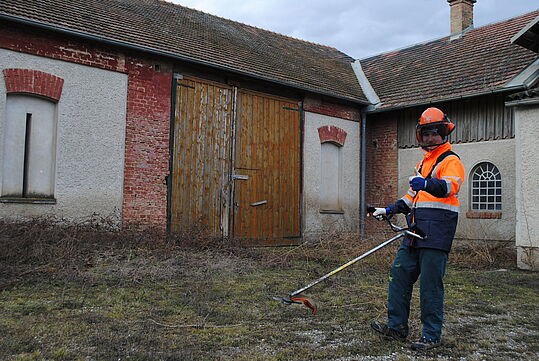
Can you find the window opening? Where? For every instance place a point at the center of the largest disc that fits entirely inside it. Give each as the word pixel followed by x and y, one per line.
pixel 26 169
pixel 486 188
pixel 29 154
pixel 331 177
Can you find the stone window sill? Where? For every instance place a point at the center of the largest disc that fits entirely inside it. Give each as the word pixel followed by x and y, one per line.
pixel 484 215
pixel 27 200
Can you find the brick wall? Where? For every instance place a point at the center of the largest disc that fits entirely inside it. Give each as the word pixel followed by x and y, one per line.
pixel 148 113
pixel 382 164
pixel 331 133
pixel 320 106
pixel 147 144
pixel 461 15
pixel 33 82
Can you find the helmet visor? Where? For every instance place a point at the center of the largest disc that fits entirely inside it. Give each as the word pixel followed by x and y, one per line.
pixel 434 130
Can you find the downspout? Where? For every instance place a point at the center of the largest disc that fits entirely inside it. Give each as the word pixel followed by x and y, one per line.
pixel 168 177
pixel 373 98
pixel 363 172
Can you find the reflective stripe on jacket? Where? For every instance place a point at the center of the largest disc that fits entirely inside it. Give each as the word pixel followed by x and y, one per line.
pixel 437 207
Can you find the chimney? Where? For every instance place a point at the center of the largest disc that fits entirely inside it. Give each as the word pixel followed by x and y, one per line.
pixel 461 15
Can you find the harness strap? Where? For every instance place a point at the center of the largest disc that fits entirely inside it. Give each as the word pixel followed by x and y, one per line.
pixel 440 158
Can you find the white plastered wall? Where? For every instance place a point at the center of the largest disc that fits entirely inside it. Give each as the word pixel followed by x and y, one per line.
pixel 501 153
pixel 90 140
pixel 315 223
pixel 527 187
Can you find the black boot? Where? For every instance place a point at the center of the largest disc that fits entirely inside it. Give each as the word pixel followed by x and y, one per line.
pixel 389 333
pixel 425 344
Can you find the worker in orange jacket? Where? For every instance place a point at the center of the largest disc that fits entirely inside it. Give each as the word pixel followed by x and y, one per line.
pixel 431 207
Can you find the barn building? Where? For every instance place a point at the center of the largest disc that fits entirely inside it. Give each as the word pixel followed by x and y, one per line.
pixel 156 115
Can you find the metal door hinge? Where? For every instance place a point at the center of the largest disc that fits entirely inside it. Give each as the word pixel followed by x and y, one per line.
pixel 240 176
pixel 186 85
pixel 294 109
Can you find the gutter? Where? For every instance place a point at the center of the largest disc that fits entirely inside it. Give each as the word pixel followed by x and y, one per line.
pixel 522 102
pixel 174 56
pixel 458 97
pixel 373 98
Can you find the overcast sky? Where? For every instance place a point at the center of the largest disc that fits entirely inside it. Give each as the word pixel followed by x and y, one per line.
pixel 359 28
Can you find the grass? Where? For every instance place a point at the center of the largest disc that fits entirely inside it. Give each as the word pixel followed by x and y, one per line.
pixel 179 301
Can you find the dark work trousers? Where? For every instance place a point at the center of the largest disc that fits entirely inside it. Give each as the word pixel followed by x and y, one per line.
pixel 429 266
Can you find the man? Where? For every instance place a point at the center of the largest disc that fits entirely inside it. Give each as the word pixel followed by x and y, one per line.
pixel 431 207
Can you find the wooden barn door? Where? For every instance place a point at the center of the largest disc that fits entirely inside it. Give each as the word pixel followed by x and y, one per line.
pixel 236 163
pixel 201 158
pixel 266 170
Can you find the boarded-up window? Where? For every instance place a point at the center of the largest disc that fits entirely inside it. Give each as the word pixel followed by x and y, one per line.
pixel 331 177
pixel 29 147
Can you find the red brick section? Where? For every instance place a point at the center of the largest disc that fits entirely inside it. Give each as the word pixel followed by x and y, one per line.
pixel 484 215
pixel 33 82
pixel 26 40
pixel 330 133
pixel 319 106
pixel 382 165
pixel 147 145
pixel 148 115
pixel 461 14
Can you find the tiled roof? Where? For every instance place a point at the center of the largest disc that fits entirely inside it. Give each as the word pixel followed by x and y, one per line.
pixel 483 59
pixel 196 36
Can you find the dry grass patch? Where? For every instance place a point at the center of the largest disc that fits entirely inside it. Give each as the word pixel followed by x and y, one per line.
pixel 84 294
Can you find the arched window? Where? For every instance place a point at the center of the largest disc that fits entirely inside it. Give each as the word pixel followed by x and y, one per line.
pixel 486 188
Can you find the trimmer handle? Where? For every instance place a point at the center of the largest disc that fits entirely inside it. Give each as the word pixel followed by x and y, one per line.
pixel 371 210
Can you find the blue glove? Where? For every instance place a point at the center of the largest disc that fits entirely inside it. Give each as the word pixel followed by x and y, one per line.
pixel 418 183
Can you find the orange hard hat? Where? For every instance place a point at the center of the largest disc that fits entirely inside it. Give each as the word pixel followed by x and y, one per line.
pixel 436 119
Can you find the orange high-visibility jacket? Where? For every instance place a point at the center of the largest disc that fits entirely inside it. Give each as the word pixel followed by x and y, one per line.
pixel 436 207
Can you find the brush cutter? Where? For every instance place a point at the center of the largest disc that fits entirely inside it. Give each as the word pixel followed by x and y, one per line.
pixel 293 297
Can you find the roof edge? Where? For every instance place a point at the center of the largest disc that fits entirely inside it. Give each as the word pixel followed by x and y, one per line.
pixel 524 30
pixel 527 77
pixel 365 84
pixel 522 102
pixel 174 56
pixel 437 101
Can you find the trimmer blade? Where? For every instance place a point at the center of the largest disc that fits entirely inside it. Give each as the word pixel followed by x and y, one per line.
pixel 304 301
pixel 284 300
